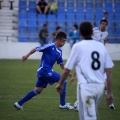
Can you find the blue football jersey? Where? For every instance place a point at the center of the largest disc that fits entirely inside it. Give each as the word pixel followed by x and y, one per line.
pixel 51 54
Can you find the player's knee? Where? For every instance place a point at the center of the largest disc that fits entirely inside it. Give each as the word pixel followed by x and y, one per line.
pixel 38 90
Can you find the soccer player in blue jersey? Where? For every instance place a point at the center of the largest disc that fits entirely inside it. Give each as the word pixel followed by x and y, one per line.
pixel 45 74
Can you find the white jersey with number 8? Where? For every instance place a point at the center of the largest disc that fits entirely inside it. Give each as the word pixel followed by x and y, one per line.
pixel 90 58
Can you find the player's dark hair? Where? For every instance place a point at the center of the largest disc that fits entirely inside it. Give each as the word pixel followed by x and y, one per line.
pixel 105 13
pixel 76 26
pixel 104 20
pixel 45 25
pixel 86 30
pixel 61 35
pixel 58 27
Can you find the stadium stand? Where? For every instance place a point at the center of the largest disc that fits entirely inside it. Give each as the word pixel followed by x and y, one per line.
pixel 8 22
pixel 69 12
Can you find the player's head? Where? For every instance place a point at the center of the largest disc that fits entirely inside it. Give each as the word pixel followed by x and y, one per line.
pixel 105 15
pixel 42 0
pixel 103 24
pixel 104 20
pixel 58 28
pixel 60 39
pixel 44 26
pixel 75 27
pixel 86 30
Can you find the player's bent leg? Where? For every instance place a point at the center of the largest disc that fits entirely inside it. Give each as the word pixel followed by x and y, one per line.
pixel 55 77
pixel 63 104
pixel 27 97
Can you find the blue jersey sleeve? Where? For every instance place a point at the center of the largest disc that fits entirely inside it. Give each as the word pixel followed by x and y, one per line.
pixel 43 48
pixel 60 60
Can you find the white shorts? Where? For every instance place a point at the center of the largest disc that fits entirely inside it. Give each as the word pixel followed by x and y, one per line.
pixel 89 96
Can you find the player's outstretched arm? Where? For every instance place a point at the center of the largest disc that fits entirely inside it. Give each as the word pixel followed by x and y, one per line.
pixel 27 55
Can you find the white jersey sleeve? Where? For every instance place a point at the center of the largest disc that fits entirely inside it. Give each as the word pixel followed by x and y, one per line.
pixel 72 60
pixel 108 61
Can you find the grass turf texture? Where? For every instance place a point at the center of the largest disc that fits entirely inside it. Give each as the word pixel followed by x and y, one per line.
pixel 18 78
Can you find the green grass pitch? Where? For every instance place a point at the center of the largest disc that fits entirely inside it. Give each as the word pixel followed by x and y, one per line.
pixel 18 78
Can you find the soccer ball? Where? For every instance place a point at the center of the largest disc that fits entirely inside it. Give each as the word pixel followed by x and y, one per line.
pixel 76 105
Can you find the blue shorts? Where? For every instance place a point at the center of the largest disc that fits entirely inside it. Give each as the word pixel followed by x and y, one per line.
pixel 47 77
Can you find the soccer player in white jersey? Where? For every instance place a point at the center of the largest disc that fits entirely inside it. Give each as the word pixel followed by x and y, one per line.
pixel 90 62
pixel 100 33
pixel 45 74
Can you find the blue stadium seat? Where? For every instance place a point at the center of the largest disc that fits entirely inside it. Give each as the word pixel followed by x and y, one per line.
pixel 117 20
pixel 22 4
pixel 32 31
pixel 61 18
pixel 98 11
pixel 79 11
pixel 60 11
pixel 117 5
pixel 89 11
pixel 89 4
pixel 89 17
pixel 33 39
pixel 51 29
pixel 42 17
pixel 117 32
pixel 61 21
pixel 51 21
pixel 109 10
pixel 70 4
pixel 80 4
pixel 22 30
pixel 111 17
pixel 22 38
pixel 22 23
pixel 51 18
pixel 51 24
pixel 117 17
pixel 80 18
pixel 32 16
pixel 117 11
pixel 111 31
pixel 98 5
pixel 108 5
pixel 32 4
pixel 22 16
pixel 70 18
pixel 32 23
pixel 22 11
pixel 61 4
pixel 32 10
pixel 70 11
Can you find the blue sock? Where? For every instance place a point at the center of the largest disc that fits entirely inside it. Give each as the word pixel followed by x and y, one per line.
pixel 30 95
pixel 63 94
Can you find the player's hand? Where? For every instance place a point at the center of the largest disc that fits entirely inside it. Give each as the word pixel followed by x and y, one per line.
pixel 59 88
pixel 109 98
pixel 24 58
pixel 72 80
pixel 70 75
